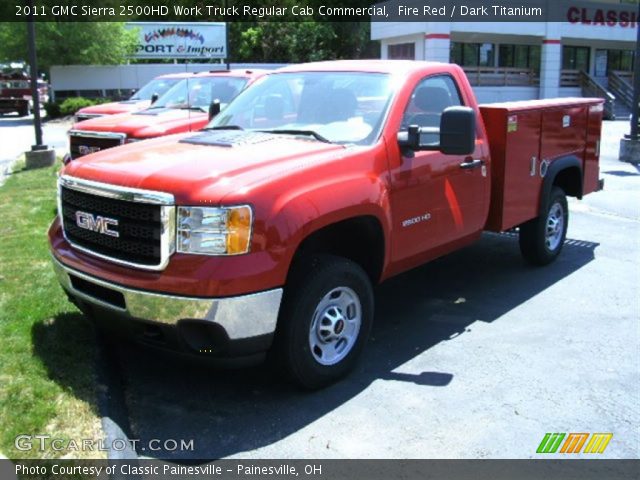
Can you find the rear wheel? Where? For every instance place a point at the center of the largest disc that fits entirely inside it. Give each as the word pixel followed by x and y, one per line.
pixel 325 320
pixel 542 238
pixel 23 111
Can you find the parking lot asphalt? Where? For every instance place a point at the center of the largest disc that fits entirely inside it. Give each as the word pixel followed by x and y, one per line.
pixel 474 355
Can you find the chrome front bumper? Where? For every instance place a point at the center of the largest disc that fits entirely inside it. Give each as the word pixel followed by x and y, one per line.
pixel 242 317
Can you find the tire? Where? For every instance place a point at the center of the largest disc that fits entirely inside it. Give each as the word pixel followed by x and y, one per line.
pixel 24 111
pixel 542 238
pixel 325 320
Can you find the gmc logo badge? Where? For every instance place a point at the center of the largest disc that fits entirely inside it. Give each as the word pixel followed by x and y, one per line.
pixel 97 223
pixel 84 150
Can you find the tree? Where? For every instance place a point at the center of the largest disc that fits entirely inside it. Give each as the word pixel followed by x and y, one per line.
pixel 68 43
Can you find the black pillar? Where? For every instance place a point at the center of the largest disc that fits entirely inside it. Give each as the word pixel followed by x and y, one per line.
pixel 636 88
pixel 35 95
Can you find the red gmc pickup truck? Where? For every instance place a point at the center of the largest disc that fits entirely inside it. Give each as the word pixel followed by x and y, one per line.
pixel 142 99
pixel 266 231
pixel 183 108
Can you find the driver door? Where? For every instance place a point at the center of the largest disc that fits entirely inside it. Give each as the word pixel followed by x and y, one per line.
pixel 435 200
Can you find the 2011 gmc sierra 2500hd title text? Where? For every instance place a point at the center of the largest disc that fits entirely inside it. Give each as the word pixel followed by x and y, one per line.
pixel 266 230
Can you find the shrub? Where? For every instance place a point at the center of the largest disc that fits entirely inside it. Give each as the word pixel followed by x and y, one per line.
pixel 71 105
pixel 52 109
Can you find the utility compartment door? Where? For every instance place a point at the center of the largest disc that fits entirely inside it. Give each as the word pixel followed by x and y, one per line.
pixel 592 151
pixel 564 132
pixel 514 139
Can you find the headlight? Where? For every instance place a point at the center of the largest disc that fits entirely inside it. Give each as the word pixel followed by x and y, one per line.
pixel 214 231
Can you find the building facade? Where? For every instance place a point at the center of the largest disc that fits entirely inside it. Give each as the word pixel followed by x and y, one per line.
pixel 588 54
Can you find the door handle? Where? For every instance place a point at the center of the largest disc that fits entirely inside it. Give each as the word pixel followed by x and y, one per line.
pixel 471 163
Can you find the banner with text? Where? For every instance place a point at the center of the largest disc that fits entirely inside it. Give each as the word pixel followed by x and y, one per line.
pixel 181 40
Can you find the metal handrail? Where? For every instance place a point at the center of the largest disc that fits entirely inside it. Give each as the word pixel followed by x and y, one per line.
pixel 591 88
pixel 620 87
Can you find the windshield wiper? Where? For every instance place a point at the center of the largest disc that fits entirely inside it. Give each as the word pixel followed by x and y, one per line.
pixel 224 127
pixel 293 131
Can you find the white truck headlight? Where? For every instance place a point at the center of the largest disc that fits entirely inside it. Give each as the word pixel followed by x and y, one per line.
pixel 214 231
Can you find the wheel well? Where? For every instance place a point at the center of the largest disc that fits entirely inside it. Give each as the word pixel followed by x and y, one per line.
pixel 569 180
pixel 360 239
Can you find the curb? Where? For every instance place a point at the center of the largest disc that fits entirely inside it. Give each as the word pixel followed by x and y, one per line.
pixel 111 404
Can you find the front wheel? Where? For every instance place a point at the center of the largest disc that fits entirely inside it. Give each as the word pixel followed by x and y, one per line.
pixel 325 320
pixel 542 238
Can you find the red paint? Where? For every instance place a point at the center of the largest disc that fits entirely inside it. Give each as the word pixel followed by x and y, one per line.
pixel 454 206
pixel 438 36
pixel 542 132
pixel 296 186
pixel 551 42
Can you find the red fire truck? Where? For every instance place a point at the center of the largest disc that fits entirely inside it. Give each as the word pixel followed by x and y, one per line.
pixel 15 89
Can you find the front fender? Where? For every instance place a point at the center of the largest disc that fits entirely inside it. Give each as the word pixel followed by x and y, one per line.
pixel 298 214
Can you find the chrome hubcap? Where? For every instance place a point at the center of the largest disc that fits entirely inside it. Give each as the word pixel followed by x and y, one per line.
pixel 335 326
pixel 554 226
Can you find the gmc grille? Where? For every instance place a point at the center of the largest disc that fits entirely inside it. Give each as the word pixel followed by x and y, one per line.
pixel 80 145
pixel 139 227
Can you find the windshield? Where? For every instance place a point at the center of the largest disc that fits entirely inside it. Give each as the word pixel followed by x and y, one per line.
pixel 159 86
pixel 341 107
pixel 198 93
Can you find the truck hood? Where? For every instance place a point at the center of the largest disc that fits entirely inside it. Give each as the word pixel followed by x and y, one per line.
pixel 206 165
pixel 146 123
pixel 114 108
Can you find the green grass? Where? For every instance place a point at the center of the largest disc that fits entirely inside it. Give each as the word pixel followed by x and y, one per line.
pixel 47 348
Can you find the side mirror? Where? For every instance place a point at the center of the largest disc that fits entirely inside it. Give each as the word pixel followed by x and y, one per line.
pixel 214 108
pixel 154 98
pixel 456 135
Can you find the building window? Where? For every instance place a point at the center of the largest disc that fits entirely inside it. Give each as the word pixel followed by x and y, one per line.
pixel 620 60
pixel 473 54
pixel 520 56
pixel 575 58
pixel 401 51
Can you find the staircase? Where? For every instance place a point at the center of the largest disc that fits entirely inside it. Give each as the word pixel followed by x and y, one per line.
pixel 592 88
pixel 620 84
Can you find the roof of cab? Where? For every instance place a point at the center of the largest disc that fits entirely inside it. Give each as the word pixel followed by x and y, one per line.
pixel 377 66
pixel 238 72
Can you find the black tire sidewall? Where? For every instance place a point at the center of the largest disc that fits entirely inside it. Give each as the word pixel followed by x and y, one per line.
pixel 323 274
pixel 533 233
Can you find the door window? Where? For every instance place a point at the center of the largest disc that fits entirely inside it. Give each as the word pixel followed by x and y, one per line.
pixel 430 97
